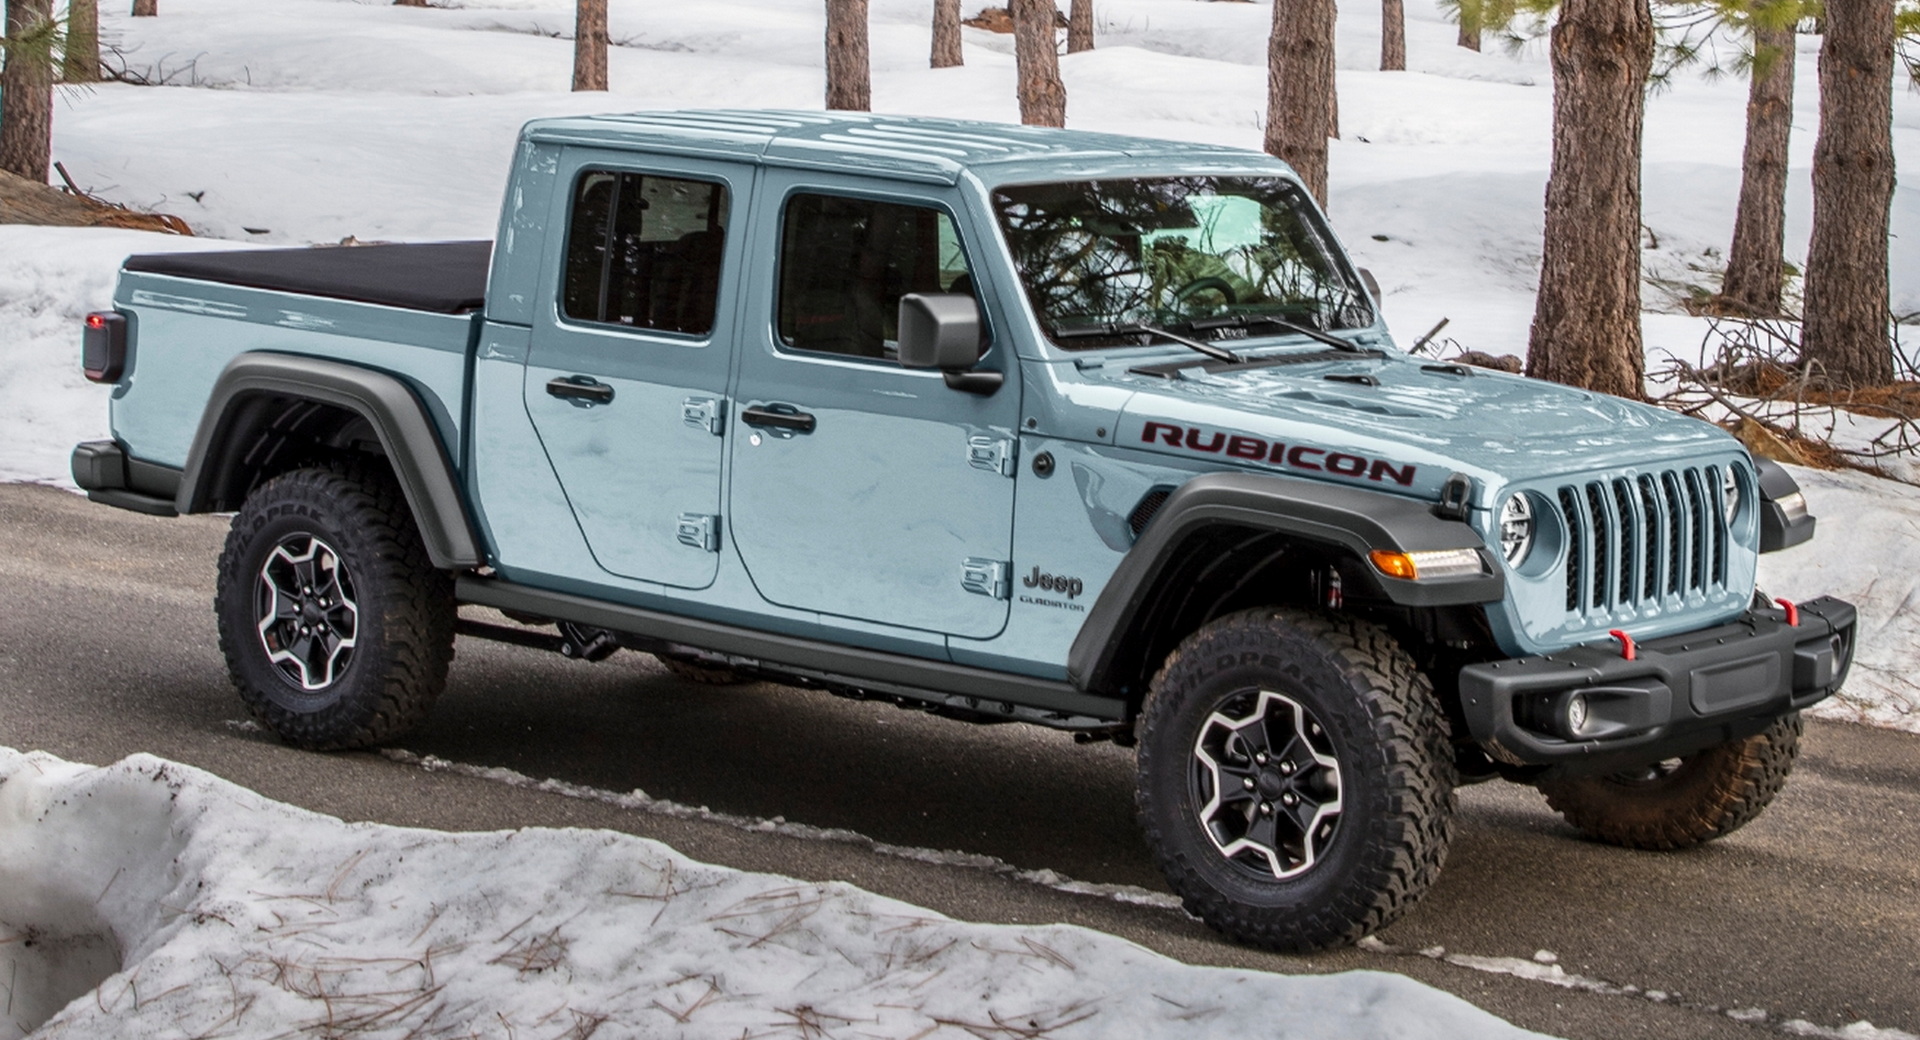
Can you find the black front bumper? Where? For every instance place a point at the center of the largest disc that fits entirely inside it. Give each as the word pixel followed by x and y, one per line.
pixel 1680 693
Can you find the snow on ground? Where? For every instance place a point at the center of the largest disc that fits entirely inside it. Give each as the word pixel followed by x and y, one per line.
pixel 330 118
pixel 150 899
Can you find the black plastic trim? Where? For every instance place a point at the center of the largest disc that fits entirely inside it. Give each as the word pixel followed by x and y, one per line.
pixel 110 476
pixel 1776 531
pixel 1680 693
pixel 1352 519
pixel 407 436
pixel 812 659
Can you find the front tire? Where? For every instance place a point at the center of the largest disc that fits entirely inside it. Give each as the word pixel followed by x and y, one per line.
pixel 1295 779
pixel 336 626
pixel 1682 802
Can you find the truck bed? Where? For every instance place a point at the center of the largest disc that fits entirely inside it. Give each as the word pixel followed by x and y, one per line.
pixel 437 277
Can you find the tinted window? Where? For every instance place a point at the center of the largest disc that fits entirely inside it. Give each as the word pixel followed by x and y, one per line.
pixel 845 263
pixel 644 251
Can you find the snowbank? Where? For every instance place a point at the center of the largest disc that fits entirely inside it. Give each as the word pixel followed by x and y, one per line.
pixel 150 899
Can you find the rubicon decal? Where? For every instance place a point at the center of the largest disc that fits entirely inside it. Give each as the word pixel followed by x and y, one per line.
pixel 1292 456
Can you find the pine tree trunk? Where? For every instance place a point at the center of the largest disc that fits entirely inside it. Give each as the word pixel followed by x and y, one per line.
pixel 146 8
pixel 1079 26
pixel 1393 36
pixel 1847 306
pixel 1301 110
pixel 81 63
pixel 1755 264
pixel 1043 98
pixel 26 97
pixel 849 79
pixel 1469 25
pixel 1586 321
pixel 947 53
pixel 590 45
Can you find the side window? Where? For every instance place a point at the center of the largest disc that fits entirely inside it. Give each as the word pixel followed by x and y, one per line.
pixel 845 263
pixel 644 251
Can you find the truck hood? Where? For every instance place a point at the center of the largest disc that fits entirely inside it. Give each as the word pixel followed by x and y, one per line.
pixel 1438 420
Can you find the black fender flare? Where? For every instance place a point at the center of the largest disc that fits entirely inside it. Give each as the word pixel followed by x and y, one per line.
pixel 1356 520
pixel 398 417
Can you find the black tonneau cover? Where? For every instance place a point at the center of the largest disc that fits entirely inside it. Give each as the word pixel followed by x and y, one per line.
pixel 441 277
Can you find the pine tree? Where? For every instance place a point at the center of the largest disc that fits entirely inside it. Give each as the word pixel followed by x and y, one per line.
pixel 946 34
pixel 849 79
pixel 81 63
pixel 1302 109
pixel 1393 35
pixel 146 8
pixel 1079 26
pixel 1756 265
pixel 590 45
pixel 1845 330
pixel 1043 97
pixel 1586 320
pixel 26 90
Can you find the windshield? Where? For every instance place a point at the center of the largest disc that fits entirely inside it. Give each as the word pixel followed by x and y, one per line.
pixel 1175 252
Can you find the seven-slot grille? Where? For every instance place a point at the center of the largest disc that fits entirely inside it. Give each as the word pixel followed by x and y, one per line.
pixel 1638 539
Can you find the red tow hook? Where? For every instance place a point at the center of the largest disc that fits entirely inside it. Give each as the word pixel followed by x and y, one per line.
pixel 1628 649
pixel 1793 612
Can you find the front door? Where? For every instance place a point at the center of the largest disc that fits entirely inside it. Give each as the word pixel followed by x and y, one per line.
pixel 860 488
pixel 626 379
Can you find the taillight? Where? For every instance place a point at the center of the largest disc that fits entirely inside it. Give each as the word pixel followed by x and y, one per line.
pixel 103 346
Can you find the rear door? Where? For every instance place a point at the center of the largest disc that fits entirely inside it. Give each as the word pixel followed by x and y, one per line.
pixel 860 488
pixel 631 355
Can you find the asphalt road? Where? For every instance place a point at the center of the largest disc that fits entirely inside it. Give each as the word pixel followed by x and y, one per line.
pixel 1812 912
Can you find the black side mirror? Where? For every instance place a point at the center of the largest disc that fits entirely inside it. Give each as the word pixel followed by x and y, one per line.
pixel 942 330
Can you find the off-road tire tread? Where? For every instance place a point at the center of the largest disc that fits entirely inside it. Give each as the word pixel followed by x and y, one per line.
pixel 412 598
pixel 1740 780
pixel 1409 847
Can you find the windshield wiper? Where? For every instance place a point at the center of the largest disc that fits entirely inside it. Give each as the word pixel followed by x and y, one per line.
pixel 1241 321
pixel 1137 328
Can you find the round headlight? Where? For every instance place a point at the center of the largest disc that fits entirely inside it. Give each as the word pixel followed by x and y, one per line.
pixel 1516 529
pixel 1730 494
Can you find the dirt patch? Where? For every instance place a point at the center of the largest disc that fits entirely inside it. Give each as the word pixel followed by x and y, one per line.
pixel 24 202
pixel 1000 20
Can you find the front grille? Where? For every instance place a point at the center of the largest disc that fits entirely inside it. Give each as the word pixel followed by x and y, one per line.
pixel 1636 540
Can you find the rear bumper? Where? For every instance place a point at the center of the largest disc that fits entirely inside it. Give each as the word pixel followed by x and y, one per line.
pixel 1681 693
pixel 108 475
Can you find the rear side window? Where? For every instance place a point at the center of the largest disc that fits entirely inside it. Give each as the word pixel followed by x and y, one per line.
pixel 644 251
pixel 845 263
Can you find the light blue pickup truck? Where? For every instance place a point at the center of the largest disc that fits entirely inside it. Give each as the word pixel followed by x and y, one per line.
pixel 1005 423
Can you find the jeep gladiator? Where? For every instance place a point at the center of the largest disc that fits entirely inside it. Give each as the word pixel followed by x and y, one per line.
pixel 1006 423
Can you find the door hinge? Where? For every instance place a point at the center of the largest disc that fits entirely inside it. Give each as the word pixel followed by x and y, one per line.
pixel 986 577
pixel 704 413
pixel 699 530
pixel 993 454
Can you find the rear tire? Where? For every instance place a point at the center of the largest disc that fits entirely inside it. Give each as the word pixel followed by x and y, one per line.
pixel 1682 802
pixel 1295 779
pixel 336 626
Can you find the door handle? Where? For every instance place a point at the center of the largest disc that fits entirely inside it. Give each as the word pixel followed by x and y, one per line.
pixel 798 422
pixel 584 389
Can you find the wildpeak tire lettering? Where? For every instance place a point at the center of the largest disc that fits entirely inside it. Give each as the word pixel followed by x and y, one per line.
pixel 1275 453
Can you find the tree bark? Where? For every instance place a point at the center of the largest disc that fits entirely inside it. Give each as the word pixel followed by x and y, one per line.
pixel 146 8
pixel 947 53
pixel 1393 36
pixel 1755 264
pixel 26 95
pixel 1586 321
pixel 1847 307
pixel 1079 26
pixel 81 63
pixel 1301 106
pixel 849 76
pixel 590 45
pixel 1469 25
pixel 1043 97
